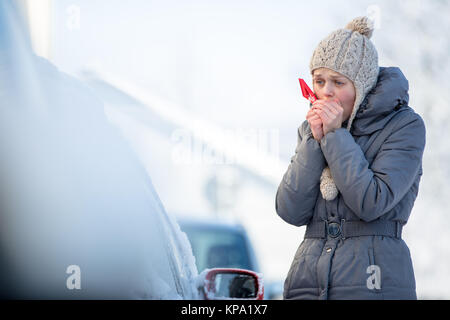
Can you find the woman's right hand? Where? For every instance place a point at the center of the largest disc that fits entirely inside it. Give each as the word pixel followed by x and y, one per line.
pixel 315 122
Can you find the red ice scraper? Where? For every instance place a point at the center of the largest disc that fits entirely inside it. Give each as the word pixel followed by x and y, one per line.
pixel 307 92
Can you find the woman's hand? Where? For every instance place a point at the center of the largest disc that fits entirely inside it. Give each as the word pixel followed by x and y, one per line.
pixel 316 124
pixel 330 112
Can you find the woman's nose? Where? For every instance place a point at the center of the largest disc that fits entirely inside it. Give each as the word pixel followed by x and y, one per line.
pixel 328 90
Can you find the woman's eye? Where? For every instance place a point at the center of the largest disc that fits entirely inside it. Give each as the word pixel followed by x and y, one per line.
pixel 319 81
pixel 339 83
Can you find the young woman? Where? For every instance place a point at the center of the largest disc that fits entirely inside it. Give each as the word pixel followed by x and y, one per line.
pixel 354 177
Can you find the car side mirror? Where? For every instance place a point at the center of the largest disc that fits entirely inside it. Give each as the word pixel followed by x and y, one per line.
pixel 230 283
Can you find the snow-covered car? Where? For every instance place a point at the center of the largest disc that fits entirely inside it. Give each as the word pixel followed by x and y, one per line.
pixel 80 218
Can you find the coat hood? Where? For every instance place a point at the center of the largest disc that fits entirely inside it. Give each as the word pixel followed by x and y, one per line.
pixel 389 95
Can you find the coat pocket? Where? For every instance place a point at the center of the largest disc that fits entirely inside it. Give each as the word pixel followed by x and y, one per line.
pixel 293 267
pixel 302 273
pixel 393 258
pixel 350 263
pixel 288 281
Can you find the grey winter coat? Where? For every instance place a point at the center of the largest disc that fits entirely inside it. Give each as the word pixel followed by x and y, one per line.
pixel 377 168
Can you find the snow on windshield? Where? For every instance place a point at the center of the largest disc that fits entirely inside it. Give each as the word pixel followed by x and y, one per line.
pixel 73 192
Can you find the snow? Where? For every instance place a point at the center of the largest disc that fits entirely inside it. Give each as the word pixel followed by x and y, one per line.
pixel 260 284
pixel 202 282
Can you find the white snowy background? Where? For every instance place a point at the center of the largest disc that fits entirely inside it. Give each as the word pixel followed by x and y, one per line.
pixel 234 65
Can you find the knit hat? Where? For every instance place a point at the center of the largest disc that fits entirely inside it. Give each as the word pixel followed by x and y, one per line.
pixel 349 52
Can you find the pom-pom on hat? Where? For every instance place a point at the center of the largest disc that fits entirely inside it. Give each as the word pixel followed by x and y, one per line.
pixel 349 52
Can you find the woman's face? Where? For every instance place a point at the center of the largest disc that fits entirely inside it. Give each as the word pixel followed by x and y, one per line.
pixel 329 85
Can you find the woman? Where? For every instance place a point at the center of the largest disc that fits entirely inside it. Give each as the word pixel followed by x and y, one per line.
pixel 354 177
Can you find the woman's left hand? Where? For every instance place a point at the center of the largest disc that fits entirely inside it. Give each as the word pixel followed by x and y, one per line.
pixel 331 114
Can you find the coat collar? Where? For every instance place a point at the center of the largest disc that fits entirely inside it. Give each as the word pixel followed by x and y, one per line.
pixel 389 95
